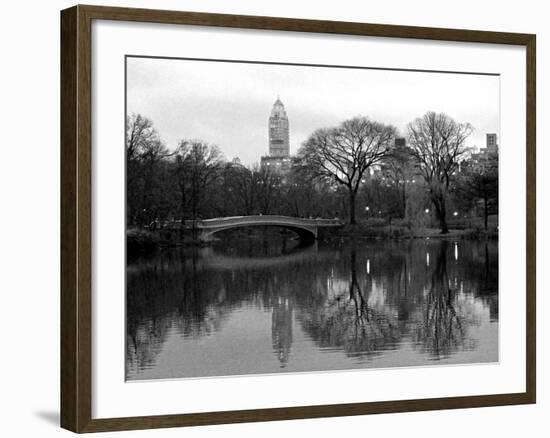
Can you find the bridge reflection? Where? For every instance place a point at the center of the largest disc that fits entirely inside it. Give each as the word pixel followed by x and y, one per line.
pixel 220 261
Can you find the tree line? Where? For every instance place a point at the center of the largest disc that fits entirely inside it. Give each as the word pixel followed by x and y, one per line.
pixel 354 171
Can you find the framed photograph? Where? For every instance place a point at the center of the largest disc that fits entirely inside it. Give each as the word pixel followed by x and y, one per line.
pixel 271 218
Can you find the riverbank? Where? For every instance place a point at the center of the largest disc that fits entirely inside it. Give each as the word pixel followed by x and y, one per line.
pixel 146 242
pixel 140 241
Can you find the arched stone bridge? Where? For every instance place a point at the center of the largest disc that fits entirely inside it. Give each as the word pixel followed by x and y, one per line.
pixel 307 229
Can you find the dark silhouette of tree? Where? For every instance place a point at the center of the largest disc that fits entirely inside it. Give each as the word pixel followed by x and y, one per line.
pixel 398 171
pixel 145 155
pixel 343 154
pixel 303 196
pixel 438 145
pixel 239 190
pixel 255 190
pixel 198 166
pixel 140 136
pixel 267 185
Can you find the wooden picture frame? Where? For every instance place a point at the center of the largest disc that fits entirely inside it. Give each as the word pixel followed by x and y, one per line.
pixel 76 218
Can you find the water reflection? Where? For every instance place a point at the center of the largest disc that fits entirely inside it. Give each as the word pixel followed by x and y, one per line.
pixel 441 330
pixel 244 307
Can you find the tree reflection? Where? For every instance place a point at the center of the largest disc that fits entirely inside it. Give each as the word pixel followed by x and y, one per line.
pixel 441 331
pixel 168 294
pixel 347 321
pixel 193 293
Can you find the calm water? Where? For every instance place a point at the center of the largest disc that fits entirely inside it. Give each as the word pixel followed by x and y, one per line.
pixel 252 307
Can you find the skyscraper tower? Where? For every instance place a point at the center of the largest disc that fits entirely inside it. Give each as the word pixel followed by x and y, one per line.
pixel 278 158
pixel 279 144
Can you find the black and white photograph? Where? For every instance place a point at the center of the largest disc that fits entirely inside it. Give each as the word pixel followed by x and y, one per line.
pixel 285 218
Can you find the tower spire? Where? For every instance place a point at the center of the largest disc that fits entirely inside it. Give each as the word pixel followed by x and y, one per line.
pixel 278 131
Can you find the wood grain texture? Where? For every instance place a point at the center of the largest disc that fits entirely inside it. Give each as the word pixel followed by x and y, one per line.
pixel 76 222
pixel 300 25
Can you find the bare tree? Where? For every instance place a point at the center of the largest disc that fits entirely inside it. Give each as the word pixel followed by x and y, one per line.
pixel 238 191
pixel 398 171
pixel 343 154
pixel 267 188
pixel 140 134
pixel 303 196
pixel 144 152
pixel 438 145
pixel 198 165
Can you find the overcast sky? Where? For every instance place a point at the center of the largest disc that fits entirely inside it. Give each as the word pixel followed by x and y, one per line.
pixel 228 103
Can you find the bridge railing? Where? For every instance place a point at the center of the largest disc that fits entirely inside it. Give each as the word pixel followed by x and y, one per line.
pixel 242 220
pixel 267 219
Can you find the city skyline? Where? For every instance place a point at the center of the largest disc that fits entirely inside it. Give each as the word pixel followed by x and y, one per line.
pixel 229 111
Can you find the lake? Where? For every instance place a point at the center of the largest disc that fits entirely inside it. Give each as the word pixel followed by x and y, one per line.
pixel 253 305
